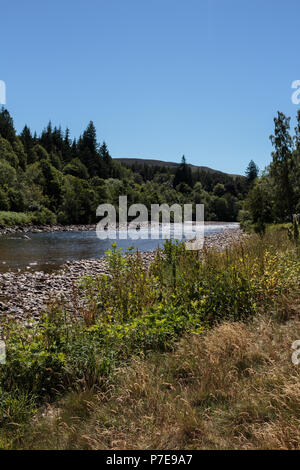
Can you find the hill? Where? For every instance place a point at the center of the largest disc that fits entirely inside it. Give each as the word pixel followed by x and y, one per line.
pixel 151 162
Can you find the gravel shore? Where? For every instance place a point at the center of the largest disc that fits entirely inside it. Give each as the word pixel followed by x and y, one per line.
pixel 4 230
pixel 26 294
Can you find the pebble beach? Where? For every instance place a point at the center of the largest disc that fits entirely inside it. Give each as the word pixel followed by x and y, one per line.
pixel 25 294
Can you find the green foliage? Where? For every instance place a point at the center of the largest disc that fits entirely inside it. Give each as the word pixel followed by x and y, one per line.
pixel 38 153
pixel 17 201
pixel 16 406
pixel 70 179
pixel 132 310
pixel 219 190
pixel 294 233
pixel 7 130
pixel 7 154
pixel 275 196
pixel 282 165
pixel 44 217
pixel 183 174
pixel 4 201
pixel 15 218
pixel 252 171
pixel 76 168
pixel 78 201
pixel 8 176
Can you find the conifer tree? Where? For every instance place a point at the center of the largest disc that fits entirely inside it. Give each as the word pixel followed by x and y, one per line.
pixel 252 172
pixel 7 130
pixel 183 174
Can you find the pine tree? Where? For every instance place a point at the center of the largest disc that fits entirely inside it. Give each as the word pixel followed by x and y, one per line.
pixel 183 174
pixel 88 151
pixel 89 138
pixel 27 139
pixel 252 172
pixel 107 166
pixel 7 130
pixel 67 150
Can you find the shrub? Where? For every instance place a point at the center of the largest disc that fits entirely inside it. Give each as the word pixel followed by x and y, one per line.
pixel 44 216
pixel 15 218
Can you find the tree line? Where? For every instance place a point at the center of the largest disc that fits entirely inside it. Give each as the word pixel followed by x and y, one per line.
pixel 59 180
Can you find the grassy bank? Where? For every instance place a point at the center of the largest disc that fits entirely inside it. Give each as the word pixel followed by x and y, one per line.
pixel 21 219
pixel 9 219
pixel 233 388
pixel 196 352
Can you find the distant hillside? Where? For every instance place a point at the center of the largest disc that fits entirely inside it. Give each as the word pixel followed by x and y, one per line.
pixel 145 161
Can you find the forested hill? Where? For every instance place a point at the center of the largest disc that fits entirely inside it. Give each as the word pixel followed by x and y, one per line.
pixel 133 162
pixel 49 178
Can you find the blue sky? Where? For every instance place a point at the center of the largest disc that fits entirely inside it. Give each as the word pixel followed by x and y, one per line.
pixel 159 78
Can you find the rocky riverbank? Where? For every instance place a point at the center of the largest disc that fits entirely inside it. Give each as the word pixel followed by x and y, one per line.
pixel 26 294
pixel 26 229
pixel 4 230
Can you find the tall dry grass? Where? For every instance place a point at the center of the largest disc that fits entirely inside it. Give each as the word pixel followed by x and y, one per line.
pixel 232 388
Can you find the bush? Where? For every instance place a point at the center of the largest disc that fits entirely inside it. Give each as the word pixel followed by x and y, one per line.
pixel 17 200
pixel 44 216
pixel 15 218
pixel 244 218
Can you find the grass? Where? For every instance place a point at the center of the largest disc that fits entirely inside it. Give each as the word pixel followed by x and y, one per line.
pixel 232 388
pixel 42 216
pixel 196 352
pixel 15 218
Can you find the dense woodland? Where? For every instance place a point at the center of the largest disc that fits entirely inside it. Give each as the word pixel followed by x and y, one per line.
pixel 53 179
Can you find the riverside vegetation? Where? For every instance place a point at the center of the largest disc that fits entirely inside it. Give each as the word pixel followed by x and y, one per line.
pixel 51 179
pixel 194 352
pixel 275 196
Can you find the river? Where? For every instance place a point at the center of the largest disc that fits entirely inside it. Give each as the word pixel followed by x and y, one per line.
pixel 49 250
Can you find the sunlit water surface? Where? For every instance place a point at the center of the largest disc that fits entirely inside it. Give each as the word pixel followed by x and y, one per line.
pixel 48 251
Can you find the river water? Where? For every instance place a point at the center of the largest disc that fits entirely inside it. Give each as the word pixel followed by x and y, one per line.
pixel 48 251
